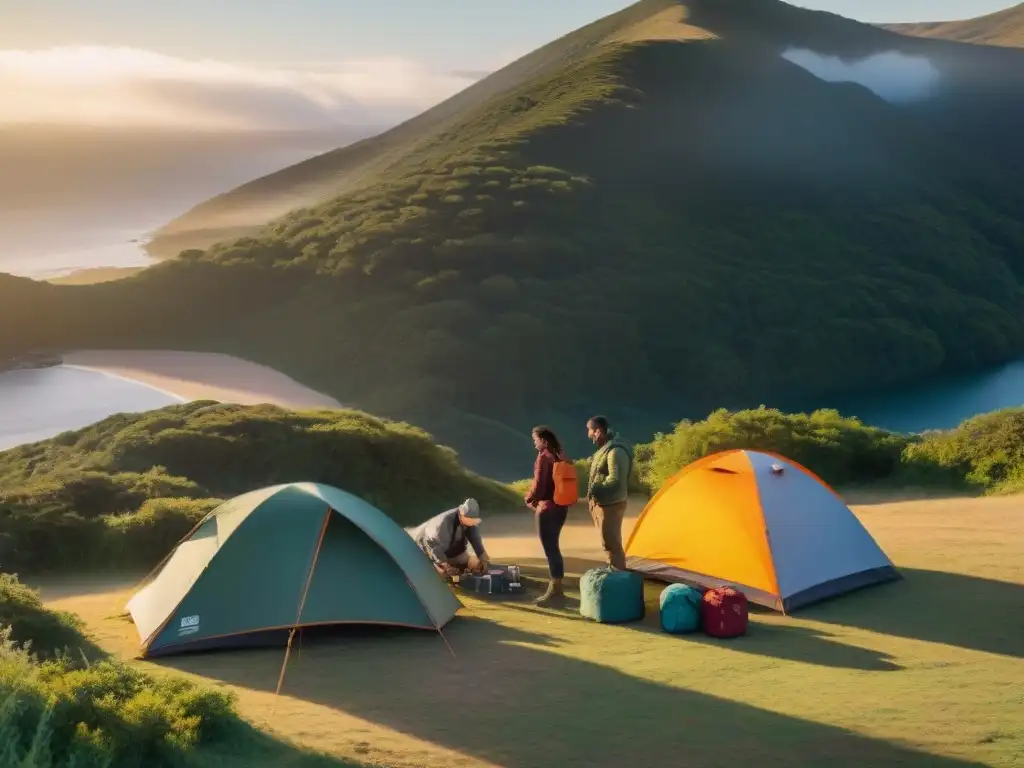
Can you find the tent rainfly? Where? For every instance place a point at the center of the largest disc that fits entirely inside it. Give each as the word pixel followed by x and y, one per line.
pixel 758 522
pixel 277 559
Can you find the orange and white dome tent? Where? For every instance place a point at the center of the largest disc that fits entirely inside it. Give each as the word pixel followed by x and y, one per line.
pixel 761 523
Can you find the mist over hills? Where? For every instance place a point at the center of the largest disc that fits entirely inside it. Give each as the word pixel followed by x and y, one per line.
pixel 680 206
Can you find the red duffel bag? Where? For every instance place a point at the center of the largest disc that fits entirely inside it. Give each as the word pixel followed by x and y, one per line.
pixel 723 612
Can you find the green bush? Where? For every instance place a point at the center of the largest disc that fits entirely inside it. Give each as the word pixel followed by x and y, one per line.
pixel 122 492
pixel 65 704
pixel 985 453
pixel 62 712
pixel 841 450
pixel 28 623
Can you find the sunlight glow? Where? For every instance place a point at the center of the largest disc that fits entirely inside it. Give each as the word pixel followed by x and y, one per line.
pixel 92 85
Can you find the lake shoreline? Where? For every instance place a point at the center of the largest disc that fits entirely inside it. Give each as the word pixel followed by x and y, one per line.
pixel 84 387
pixel 202 376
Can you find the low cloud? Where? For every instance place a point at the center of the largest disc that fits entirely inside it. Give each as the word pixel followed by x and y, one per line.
pixel 129 87
pixel 893 76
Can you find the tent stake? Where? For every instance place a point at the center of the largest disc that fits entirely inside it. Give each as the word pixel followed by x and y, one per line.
pixel 446 641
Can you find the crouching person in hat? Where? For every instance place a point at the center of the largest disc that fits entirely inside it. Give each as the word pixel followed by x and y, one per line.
pixel 445 538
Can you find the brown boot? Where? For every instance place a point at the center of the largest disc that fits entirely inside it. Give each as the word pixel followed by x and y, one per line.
pixel 553 595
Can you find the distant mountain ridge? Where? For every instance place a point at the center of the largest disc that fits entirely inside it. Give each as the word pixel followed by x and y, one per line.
pixel 243 210
pixel 680 206
pixel 1005 28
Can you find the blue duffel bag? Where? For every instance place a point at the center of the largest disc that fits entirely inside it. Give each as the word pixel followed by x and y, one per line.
pixel 611 596
pixel 680 609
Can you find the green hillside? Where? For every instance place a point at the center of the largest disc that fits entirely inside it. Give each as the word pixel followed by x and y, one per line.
pixel 651 217
pixel 1004 27
pixel 125 490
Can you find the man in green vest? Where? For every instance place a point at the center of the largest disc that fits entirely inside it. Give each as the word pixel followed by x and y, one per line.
pixel 608 487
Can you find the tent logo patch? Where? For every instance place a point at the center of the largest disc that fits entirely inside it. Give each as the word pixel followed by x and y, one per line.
pixel 189 625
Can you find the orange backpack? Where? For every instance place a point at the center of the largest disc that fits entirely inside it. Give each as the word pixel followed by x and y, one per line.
pixel 566 484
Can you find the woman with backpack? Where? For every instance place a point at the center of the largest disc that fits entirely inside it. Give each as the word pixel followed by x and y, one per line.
pixel 553 491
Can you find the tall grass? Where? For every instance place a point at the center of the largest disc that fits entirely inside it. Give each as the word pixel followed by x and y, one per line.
pixel 67 712
pixel 66 704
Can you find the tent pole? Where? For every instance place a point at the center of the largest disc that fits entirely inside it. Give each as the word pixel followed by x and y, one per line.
pixel 302 599
pixel 174 549
pixel 429 616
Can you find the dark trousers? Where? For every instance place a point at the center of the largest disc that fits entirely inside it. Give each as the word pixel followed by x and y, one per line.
pixel 549 529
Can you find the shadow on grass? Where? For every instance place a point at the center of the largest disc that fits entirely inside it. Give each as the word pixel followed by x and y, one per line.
pixel 793 643
pixel 521 699
pixel 248 747
pixel 938 607
pixel 934 606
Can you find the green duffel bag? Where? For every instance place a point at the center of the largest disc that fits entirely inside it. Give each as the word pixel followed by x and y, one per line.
pixel 611 597
pixel 680 609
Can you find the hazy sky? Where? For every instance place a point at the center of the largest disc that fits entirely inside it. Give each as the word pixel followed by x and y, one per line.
pixel 454 34
pixel 292 63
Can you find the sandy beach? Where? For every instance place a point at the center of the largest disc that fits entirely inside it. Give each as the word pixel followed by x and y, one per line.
pixel 202 376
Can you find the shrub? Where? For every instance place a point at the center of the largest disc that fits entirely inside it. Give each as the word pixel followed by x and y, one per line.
pixel 122 492
pixel 84 710
pixel 27 622
pixel 985 452
pixel 63 703
pixel 841 450
pixel 62 712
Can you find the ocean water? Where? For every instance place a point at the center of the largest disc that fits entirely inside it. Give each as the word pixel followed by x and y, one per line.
pixel 40 404
pixel 72 202
pixel 48 245
pixel 941 403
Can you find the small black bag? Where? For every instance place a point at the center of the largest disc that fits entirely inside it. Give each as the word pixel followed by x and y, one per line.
pixel 496 580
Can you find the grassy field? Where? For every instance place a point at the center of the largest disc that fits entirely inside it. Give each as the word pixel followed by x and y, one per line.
pixel 927 671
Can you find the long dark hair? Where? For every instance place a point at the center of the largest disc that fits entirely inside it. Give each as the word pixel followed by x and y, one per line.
pixel 548 435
